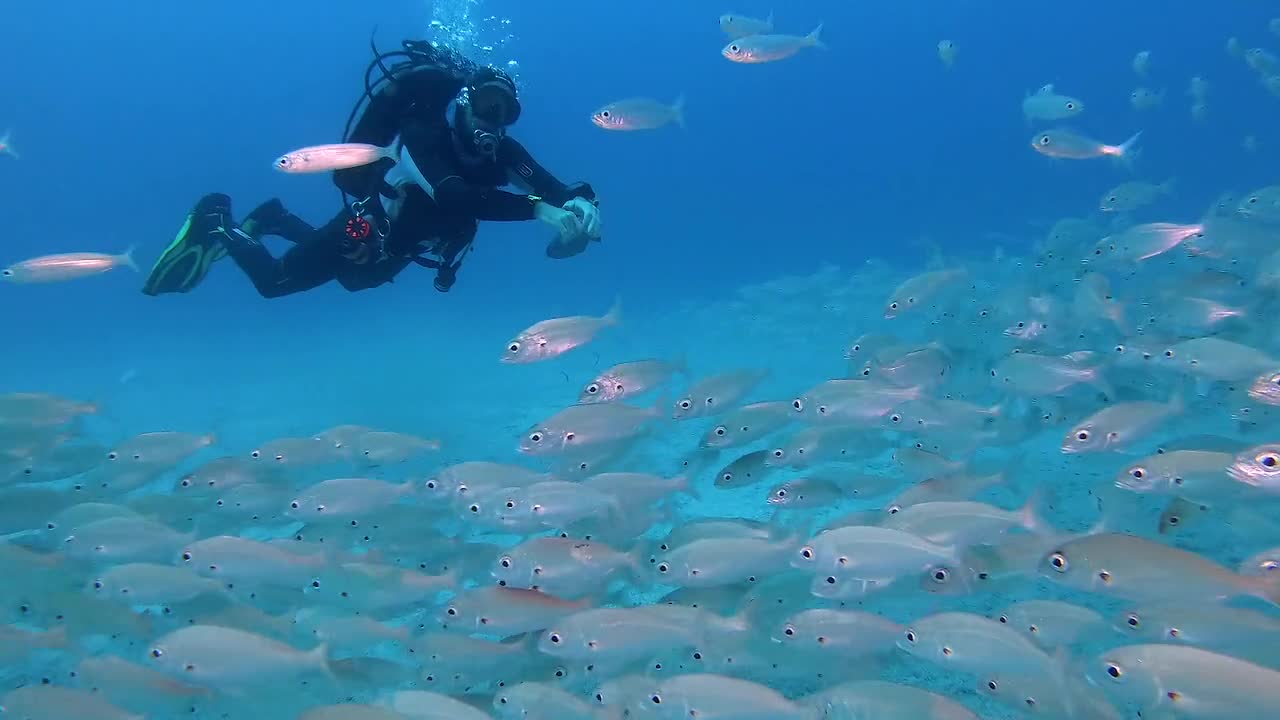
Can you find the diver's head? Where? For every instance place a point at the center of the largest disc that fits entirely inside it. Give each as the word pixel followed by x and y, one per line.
pixel 486 108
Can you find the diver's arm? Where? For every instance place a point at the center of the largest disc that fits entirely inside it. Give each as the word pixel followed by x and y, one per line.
pixel 525 172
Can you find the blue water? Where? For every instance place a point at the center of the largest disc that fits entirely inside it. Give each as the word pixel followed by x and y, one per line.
pixel 125 115
pixel 866 154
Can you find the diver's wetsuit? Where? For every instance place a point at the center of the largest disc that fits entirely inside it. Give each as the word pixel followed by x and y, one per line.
pixel 464 190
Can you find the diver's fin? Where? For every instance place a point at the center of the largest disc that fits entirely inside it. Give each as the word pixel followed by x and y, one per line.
pixel 194 250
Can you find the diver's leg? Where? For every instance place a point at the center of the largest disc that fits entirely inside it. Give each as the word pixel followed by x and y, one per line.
pixel 356 277
pixel 271 218
pixel 313 261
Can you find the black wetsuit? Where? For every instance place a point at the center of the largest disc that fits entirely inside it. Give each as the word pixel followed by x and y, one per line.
pixel 443 225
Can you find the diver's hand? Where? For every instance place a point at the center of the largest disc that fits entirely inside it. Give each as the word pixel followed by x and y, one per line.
pixel 564 221
pixel 588 214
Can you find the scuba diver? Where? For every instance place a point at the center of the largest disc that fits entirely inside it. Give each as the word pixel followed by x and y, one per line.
pixel 422 206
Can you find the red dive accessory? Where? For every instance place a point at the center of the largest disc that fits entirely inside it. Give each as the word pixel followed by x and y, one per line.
pixel 359 228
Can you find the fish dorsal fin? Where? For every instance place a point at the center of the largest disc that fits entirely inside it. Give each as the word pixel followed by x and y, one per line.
pixel 1046 90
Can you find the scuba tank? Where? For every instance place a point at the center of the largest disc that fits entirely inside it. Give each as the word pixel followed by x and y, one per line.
pixel 395 82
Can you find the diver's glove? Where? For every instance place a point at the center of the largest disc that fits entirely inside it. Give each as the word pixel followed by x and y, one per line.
pixel 564 221
pixel 587 213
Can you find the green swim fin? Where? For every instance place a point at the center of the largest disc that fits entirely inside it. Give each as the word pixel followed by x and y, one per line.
pixel 198 245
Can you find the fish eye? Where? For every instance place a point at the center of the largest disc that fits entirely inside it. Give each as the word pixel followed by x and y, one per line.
pixel 186 556
pixel 1133 621
pixel 992 685
pixel 893 306
pixel 663 568
pixel 779 452
pixel 1138 473
pixel 604 114
pixel 686 404
pixel 255 454
pixel 780 493
pixel 535 437
pixel 797 405
pixel 97 584
pixel 1082 436
pixel 655 699
pixel 1004 619
pixel 1059 562
pixel 474 508
pixel 592 389
pixel 554 638
pixel 721 430
pixel 505 562
pixel 1169 353
pixel 941 575
pixel 1119 348
pixel 1268 460
pixel 894 509
pixel 157 652
pixel 294 504
pixel 895 418
pixel 1045 140
pixel 453 612
pixel 513 347
pixel 911 636
pixel 113 455
pixel 831 580
pixel 1111 199
pixel 806 553
pixel 733 48
pixel 431 484
pixel 1114 671
pixel 1071 106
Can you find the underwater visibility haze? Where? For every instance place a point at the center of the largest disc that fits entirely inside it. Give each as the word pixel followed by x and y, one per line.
pixel 818 360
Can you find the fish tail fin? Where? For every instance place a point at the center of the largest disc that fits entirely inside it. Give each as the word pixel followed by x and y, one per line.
pixel 614 316
pixel 1095 378
pixel 1267 588
pixel 637 559
pixel 1127 152
pixel 677 109
pixel 6 147
pixel 662 405
pixel 814 39
pixel 1029 514
pixel 392 151
pixel 56 639
pixel 320 658
pixel 126 258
